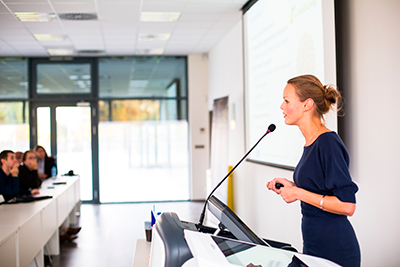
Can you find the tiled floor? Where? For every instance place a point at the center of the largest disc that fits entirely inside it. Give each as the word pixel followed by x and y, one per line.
pixel 109 232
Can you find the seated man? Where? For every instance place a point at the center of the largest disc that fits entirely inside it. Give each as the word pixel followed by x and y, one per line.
pixel 29 181
pixel 9 184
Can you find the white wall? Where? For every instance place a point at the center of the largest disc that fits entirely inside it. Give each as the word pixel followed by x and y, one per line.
pixel 371 47
pixel 370 66
pixel 198 120
pixel 227 79
pixel 257 206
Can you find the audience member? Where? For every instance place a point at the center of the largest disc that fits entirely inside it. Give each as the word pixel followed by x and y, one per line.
pixel 45 163
pixel 9 184
pixel 29 181
pixel 18 156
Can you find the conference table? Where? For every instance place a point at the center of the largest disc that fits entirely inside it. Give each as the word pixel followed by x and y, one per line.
pixel 28 230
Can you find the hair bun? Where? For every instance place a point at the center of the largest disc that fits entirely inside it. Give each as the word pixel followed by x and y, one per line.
pixel 331 94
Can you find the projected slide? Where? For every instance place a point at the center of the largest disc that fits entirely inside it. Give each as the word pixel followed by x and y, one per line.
pixel 283 39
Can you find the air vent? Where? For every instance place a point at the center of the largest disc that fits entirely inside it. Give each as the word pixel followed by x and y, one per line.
pixel 91 52
pixel 78 16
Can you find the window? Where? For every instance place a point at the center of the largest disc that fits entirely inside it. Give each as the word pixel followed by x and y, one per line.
pixel 143 153
pixel 141 77
pixel 13 78
pixel 14 126
pixel 63 78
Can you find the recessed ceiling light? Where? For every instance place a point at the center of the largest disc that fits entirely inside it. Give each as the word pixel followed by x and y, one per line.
pixel 154 37
pixel 156 51
pixel 49 37
pixel 35 16
pixel 159 16
pixel 60 51
pixel 138 83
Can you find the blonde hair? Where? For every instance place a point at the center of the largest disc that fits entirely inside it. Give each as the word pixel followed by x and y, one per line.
pixel 324 96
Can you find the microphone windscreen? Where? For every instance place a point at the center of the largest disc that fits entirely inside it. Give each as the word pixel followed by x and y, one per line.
pixel 271 128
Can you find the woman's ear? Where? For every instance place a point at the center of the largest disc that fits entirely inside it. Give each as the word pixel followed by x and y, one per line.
pixel 308 104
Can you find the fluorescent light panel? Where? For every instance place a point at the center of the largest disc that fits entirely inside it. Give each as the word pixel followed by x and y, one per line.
pixel 60 51
pixel 35 16
pixel 156 51
pixel 159 16
pixel 49 37
pixel 153 37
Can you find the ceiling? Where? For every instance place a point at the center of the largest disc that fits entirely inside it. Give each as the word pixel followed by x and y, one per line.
pixel 118 29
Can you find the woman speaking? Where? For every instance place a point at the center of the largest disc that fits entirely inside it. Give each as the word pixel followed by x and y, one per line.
pixel 322 180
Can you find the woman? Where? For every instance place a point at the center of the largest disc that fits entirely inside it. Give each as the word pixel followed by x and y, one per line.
pixel 45 163
pixel 322 181
pixel 29 181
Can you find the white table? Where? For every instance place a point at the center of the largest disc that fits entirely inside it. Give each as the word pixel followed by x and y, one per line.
pixel 142 253
pixel 26 228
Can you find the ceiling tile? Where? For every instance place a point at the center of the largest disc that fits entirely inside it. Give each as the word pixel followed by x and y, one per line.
pixel 185 38
pixel 201 25
pixel 195 25
pixel 43 27
pixel 119 1
pixel 8 17
pixel 116 25
pixel 3 9
pixel 64 43
pixel 86 38
pixel 30 7
pixel 146 26
pixel 192 16
pixel 152 45
pixel 149 7
pixel 75 7
pixel 13 31
pixel 81 24
pixel 89 46
pixel 17 37
pixel 118 17
pixel 204 8
pixel 200 31
pixel 71 2
pixel 9 52
pixel 119 38
pixel 120 8
pixel 24 1
pixel 21 46
pixel 122 32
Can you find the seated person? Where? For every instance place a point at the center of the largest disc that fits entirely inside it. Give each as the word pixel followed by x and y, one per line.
pixel 45 163
pixel 18 156
pixel 29 181
pixel 9 184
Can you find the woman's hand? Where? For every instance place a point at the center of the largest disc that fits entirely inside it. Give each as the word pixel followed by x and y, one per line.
pixel 272 184
pixel 290 194
pixel 42 176
pixel 35 192
pixel 287 192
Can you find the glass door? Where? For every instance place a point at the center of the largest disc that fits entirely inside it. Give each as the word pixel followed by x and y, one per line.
pixel 65 132
pixel 63 117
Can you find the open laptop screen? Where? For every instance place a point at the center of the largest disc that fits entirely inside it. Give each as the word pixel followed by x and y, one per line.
pixel 243 254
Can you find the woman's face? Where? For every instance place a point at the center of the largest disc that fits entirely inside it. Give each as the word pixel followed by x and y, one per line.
pixel 40 153
pixel 292 106
pixel 30 161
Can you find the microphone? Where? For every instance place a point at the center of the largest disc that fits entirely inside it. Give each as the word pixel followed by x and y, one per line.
pixel 270 129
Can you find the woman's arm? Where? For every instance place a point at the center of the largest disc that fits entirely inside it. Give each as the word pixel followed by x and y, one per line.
pixel 329 203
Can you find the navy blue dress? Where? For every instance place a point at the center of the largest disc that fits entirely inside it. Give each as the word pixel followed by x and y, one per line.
pixel 324 169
